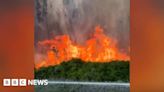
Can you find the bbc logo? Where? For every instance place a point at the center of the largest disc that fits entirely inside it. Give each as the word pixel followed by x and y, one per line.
pixel 14 82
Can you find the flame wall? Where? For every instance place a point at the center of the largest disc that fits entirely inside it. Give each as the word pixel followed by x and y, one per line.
pixel 78 18
pixel 98 48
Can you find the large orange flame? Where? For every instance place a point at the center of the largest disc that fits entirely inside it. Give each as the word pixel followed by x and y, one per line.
pixel 99 48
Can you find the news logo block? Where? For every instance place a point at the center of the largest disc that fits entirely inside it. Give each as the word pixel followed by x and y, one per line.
pixel 6 82
pixel 24 82
pixel 14 82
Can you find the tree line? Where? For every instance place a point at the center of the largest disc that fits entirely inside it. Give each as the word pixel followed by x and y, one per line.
pixel 78 70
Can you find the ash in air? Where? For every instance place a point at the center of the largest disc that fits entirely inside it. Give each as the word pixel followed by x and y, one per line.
pixel 78 19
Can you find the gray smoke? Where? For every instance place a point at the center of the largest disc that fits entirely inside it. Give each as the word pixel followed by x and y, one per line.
pixel 77 18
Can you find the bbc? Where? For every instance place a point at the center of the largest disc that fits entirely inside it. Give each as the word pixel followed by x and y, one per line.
pixel 14 82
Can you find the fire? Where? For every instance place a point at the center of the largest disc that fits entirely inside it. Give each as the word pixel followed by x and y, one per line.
pixel 99 48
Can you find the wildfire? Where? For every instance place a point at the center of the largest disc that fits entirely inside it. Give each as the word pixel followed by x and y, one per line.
pixel 99 48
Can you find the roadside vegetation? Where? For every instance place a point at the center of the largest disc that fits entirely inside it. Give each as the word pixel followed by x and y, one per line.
pixel 78 70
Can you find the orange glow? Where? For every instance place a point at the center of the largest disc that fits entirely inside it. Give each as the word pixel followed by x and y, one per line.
pixel 99 48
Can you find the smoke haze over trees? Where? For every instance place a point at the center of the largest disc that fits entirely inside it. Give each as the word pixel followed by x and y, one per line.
pixel 77 18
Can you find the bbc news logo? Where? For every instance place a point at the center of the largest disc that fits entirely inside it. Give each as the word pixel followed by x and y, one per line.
pixel 24 82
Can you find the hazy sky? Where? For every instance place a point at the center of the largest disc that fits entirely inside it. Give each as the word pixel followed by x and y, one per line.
pixel 78 18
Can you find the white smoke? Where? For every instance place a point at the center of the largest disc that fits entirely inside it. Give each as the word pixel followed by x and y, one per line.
pixel 78 18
